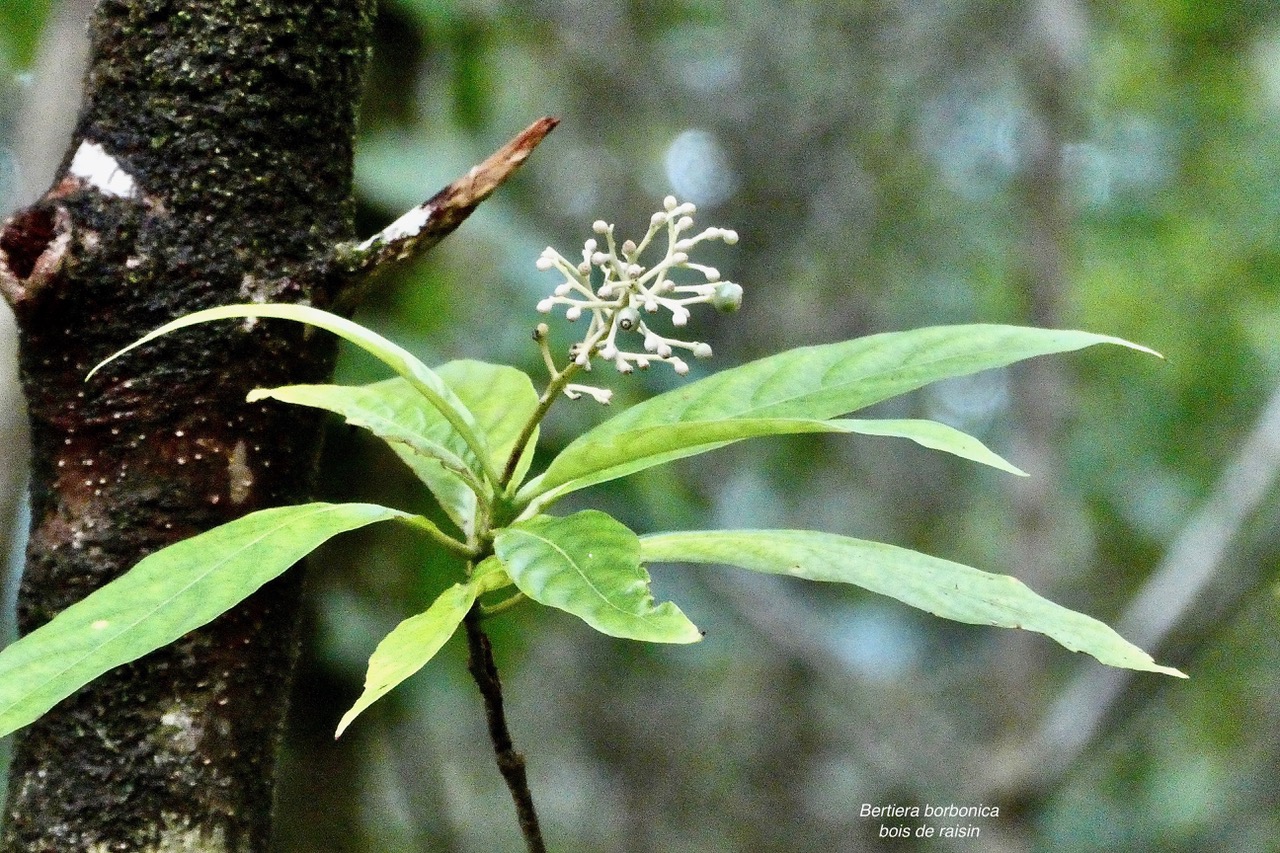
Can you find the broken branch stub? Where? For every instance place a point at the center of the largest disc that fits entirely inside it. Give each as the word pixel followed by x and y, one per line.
pixel 427 224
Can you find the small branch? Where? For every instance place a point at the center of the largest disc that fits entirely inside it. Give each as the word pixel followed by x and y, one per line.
pixel 510 762
pixel 434 219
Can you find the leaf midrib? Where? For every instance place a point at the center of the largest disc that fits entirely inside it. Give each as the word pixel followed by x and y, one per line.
pixel 585 577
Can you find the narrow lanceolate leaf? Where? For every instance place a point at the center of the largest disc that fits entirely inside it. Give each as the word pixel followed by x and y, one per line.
pixel 417 374
pixel 817 383
pixel 946 589
pixel 391 410
pixel 169 593
pixel 933 435
pixel 415 641
pixel 613 456
pixel 500 399
pixel 588 564
pixel 410 645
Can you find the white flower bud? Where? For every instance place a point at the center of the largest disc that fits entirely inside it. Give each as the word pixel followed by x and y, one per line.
pixel 664 349
pixel 622 364
pixel 679 315
pixel 680 258
pixel 729 236
pixel 669 202
pixel 684 222
pixel 628 247
pixel 711 273
pixel 564 289
pixel 599 258
pixel 584 268
pixel 608 351
pixel 600 226
pixel 642 362
pixel 657 219
pixel 601 395
pixel 701 350
pixel 683 245
pixel 635 271
pixel 628 318
pixel 544 307
pixel 544 263
pixel 679 366
pixel 573 312
pixel 589 246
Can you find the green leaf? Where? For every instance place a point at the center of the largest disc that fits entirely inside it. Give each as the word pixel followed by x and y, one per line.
pixel 614 456
pixel 933 435
pixel 501 399
pixel 810 383
pixel 415 641
pixel 391 410
pixel 169 593
pixel 415 431
pixel 588 564
pixel 950 590
pixel 417 374
pixel 410 645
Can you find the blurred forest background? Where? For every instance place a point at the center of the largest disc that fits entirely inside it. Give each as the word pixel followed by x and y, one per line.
pixel 1108 166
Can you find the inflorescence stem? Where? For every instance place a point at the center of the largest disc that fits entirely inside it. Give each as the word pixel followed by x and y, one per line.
pixel 558 384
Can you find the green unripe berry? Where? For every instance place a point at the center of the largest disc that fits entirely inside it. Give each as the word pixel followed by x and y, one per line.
pixel 727 297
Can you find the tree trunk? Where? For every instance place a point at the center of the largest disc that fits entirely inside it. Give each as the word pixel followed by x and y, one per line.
pixel 211 165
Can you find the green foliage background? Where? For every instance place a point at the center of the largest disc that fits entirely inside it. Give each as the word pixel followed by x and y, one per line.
pixel 1114 167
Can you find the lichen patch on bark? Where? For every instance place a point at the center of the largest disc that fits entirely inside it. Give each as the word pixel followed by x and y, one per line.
pixel 101 171
pixel 239 474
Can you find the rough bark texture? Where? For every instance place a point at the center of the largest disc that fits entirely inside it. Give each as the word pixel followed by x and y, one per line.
pixel 229 124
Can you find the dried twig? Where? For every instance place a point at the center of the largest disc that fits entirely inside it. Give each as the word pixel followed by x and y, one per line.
pixel 427 224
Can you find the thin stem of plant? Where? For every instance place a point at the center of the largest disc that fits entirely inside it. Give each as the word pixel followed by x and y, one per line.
pixel 559 379
pixel 440 537
pixel 510 762
pixel 502 606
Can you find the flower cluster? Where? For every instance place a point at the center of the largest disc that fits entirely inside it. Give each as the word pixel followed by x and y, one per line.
pixel 616 291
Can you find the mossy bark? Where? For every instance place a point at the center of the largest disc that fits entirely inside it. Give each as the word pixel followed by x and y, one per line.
pixel 215 166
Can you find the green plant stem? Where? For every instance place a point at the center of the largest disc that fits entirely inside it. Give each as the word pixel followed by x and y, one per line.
pixel 510 762
pixel 559 379
pixel 437 535
pixel 503 606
